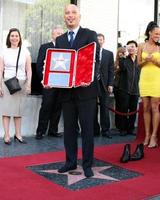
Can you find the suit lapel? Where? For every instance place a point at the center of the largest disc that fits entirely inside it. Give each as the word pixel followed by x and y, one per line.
pixel 77 38
pixel 103 55
pixel 66 42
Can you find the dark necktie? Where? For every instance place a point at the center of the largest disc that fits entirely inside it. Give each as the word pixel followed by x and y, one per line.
pixel 98 70
pixel 71 33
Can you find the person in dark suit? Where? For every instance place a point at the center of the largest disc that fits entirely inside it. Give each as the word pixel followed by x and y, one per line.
pixel 105 87
pixel 126 89
pixel 80 100
pixel 50 110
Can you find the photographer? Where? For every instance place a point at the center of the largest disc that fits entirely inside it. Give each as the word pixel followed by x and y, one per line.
pixel 126 87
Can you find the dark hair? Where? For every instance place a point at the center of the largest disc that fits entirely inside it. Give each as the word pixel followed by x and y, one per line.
pixel 132 41
pixel 152 25
pixel 8 43
pixel 100 35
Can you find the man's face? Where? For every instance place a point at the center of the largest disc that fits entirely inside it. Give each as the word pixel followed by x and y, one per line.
pixel 72 16
pixel 57 32
pixel 100 41
pixel 132 49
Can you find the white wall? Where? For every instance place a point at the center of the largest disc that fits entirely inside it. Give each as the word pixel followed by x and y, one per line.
pixel 133 19
pixel 101 16
pixel 107 17
pixel 30 118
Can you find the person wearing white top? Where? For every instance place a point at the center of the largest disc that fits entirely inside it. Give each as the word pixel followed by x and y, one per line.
pixel 12 105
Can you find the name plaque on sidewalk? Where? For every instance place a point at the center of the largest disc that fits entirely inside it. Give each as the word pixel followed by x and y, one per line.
pixel 67 68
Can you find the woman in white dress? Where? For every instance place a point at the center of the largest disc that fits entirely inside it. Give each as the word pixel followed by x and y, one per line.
pixel 12 105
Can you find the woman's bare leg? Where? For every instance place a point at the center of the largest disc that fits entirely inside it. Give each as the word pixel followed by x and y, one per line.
pixel 6 122
pixel 17 123
pixel 147 118
pixel 155 121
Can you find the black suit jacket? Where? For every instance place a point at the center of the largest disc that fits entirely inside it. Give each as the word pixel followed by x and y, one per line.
pixel 83 37
pixel 107 68
pixel 41 57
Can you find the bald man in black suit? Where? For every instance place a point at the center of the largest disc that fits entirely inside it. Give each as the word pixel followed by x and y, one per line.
pixel 81 100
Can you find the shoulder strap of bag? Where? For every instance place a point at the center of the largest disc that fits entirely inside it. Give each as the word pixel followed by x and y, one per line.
pixel 18 59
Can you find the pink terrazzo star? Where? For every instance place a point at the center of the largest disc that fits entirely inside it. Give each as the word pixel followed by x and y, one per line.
pixel 72 178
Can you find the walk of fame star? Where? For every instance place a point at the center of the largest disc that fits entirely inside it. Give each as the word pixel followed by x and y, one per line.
pixel 75 178
pixel 60 62
pixel 104 173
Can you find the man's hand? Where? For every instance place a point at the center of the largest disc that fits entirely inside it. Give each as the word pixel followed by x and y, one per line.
pixel 149 58
pixel 85 84
pixel 45 86
pixel 122 53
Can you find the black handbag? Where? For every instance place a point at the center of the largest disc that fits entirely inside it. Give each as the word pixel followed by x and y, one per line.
pixel 13 83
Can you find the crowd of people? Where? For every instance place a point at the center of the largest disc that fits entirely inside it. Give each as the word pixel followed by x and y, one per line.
pixel 135 73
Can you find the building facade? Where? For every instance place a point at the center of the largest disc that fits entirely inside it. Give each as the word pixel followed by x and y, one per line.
pixel 118 20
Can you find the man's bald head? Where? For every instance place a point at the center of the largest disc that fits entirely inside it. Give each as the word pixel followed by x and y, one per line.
pixel 72 16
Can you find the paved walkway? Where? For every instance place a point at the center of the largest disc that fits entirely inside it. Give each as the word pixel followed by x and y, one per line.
pixel 48 144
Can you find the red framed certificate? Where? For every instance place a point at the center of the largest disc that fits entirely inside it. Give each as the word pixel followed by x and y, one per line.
pixel 67 68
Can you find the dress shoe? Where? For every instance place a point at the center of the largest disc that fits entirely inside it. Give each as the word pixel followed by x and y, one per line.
pixel 96 134
pixel 55 134
pixel 106 134
pixel 138 154
pixel 123 133
pixel 131 132
pixel 67 168
pixel 20 140
pixel 126 154
pixel 88 172
pixel 39 136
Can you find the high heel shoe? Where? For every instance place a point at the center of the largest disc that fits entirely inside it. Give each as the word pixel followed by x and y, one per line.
pixel 20 140
pixel 153 142
pixel 153 146
pixel 138 154
pixel 8 142
pixel 126 154
pixel 146 140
